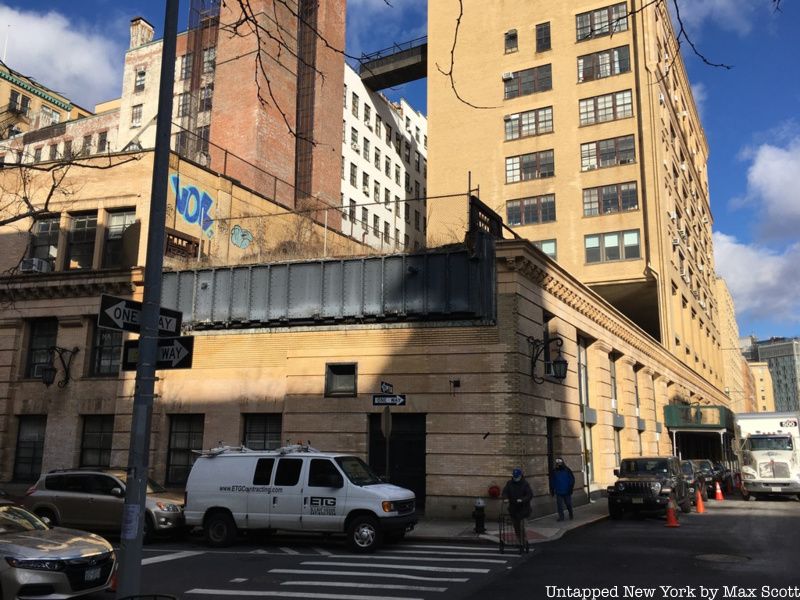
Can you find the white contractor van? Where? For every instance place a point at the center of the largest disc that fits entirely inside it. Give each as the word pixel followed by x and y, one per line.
pixel 295 488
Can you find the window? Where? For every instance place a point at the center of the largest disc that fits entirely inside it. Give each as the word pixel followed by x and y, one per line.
pixel 407 212
pixel 263 473
pixel 527 211
pixel 340 379
pixel 604 21
pixel 548 247
pixel 367 114
pixel 366 148
pixel 526 124
pixel 386 231
pixel 416 220
pixel 44 239
pixel 364 219
pixel 407 153
pixel 30 447
pixel 377 160
pixel 604 64
pixel 202 138
pixel 354 136
pixel 43 334
pixel 511 41
pixel 376 225
pixel 535 165
pixel 262 432
pixel 209 59
pixel 102 141
pixel 388 134
pixel 416 161
pixel 617 447
pixel 96 440
pixel 114 252
pixel 353 174
pixel 106 351
pixel 608 247
pixel 67 149
pixel 609 199
pixel 186 65
pixel 397 174
pixel 529 81
pixel 607 153
pixel 185 442
pixel 543 37
pixel 138 84
pixel 612 371
pixel 86 146
pixel 365 182
pixel 52 150
pixel 608 107
pixel 37 155
pixel 206 95
pixel 288 472
pixel 80 241
pixel 323 473
pixel 184 104
pixel 352 211
pixel 376 190
pixel 354 106
pixel 136 116
pixel 378 123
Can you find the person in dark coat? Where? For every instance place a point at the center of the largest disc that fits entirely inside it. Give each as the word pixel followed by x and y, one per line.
pixel 519 495
pixel 562 482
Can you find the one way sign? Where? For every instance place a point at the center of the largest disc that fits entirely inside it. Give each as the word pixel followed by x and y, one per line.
pixel 173 353
pixel 125 315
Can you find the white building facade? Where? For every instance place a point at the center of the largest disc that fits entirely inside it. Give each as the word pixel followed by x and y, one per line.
pixel 384 169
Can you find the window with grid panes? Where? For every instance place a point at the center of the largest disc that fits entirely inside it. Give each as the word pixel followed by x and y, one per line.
pixel 354 136
pixel 606 63
pixel 353 174
pixel 80 241
pixel 547 246
pixel 206 97
pixel 387 166
pixel 367 114
pixel 37 155
pixel 209 59
pixel 613 246
pixel 529 81
pixel 377 160
pixel 387 196
pixel 607 153
pixel 376 190
pixel 388 135
pixel 102 141
pixel 511 41
pixel 186 65
pixel 86 145
pixel 529 123
pixel 184 102
pixel 354 107
pixel 113 253
pixel 138 84
pixel 262 431
pixel 416 220
pixel 202 134
pixel 378 123
pixel 535 165
pixel 609 199
pixel 608 107
pixel 364 218
pixel 386 231
pixel 185 444
pixel 366 150
pixel 352 210
pixel 543 37
pixel 96 440
pixel 407 213
pixel 527 211
pixel 136 115
pixel 600 22
pixel 42 335
pixel 30 447
pixel 44 239
pixel 106 351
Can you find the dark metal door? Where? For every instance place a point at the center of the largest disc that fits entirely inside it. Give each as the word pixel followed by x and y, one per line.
pixel 406 452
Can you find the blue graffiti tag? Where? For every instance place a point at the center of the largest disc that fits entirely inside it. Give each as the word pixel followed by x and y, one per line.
pixel 241 238
pixel 193 205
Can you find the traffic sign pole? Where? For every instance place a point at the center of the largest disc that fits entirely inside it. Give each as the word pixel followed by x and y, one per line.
pixel 138 457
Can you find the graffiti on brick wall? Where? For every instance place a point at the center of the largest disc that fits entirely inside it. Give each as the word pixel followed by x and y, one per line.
pixel 240 237
pixel 193 205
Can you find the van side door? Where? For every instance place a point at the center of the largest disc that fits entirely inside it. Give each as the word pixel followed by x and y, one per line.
pixel 286 495
pixel 324 497
pixel 258 494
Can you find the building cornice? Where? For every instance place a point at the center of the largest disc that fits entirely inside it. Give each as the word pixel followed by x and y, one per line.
pixel 36 91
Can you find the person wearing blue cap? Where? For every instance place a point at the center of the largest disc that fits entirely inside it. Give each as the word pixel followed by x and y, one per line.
pixel 519 495
pixel 562 482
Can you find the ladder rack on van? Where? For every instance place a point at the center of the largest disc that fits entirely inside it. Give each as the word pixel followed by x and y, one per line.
pixel 212 452
pixel 296 448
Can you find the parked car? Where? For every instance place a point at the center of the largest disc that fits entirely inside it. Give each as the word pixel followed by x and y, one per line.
pixel 713 473
pixel 39 561
pixel 93 499
pixel 695 479
pixel 646 484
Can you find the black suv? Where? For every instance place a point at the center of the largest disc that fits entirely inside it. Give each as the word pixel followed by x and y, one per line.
pixel 647 483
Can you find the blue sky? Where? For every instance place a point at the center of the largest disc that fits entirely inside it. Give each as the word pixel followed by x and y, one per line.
pixel 751 114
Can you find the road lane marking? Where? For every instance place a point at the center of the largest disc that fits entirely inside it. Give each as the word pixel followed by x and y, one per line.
pixel 431 546
pixel 437 553
pixel 238 580
pixel 496 561
pixel 368 574
pixel 322 551
pixel 317 563
pixel 285 594
pixel 372 586
pixel 166 557
pixel 288 550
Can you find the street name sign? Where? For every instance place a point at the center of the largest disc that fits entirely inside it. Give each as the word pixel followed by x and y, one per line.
pixel 173 353
pixel 125 315
pixel 388 400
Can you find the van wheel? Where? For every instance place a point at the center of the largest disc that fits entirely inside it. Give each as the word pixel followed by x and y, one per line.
pixel 363 534
pixel 219 529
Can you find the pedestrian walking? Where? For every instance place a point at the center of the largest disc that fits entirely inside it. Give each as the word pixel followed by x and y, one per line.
pixel 562 482
pixel 519 495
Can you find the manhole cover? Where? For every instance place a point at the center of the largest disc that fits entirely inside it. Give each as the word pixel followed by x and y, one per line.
pixel 722 558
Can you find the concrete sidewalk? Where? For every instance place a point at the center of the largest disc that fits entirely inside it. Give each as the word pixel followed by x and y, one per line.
pixel 541 529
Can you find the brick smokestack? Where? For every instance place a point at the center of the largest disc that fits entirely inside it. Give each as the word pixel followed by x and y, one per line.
pixel 141 32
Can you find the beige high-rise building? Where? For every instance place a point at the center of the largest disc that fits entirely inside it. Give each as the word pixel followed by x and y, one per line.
pixel 576 122
pixel 764 392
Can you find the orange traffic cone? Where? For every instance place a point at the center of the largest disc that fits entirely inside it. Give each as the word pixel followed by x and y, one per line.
pixel 698 502
pixel 672 517
pixel 718 493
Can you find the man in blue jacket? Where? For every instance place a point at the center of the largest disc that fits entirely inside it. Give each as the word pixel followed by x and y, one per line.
pixel 562 482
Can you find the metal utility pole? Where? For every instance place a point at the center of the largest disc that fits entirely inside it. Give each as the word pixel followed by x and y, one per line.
pixel 130 563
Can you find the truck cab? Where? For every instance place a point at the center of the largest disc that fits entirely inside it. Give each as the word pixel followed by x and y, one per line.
pixel 769 449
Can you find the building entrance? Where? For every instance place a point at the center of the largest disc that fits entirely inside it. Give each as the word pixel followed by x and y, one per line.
pixel 406 452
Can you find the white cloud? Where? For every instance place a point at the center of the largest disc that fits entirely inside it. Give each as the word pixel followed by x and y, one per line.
pixel 772 187
pixel 730 15
pixel 762 282
pixel 83 64
pixel 375 24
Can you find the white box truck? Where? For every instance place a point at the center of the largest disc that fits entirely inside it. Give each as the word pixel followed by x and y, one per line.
pixel 769 452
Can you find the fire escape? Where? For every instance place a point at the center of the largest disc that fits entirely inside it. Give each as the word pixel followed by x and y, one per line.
pixel 11 117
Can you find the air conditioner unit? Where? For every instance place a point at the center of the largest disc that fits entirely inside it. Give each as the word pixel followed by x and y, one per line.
pixel 675 241
pixel 702 304
pixel 365 189
pixel 590 167
pixel 661 98
pixel 355 147
pixel 684 167
pixel 701 268
pixel 672 215
pixel 696 294
pixel 682 233
pixel 705 220
pixel 36 372
pixel 682 272
pixel 687 279
pixel 684 113
pixel 34 265
pixel 508 75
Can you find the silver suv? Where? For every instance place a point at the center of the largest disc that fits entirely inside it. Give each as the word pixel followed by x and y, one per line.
pixel 93 499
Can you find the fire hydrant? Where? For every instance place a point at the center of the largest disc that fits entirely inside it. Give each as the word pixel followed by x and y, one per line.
pixel 479 514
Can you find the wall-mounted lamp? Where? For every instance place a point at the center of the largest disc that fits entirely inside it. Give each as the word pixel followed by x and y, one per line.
pixel 559 365
pixel 49 371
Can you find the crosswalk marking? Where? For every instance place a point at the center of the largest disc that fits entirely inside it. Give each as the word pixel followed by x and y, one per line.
pixel 166 557
pixel 285 594
pixel 369 574
pixel 289 550
pixel 439 553
pixel 394 566
pixel 322 551
pixel 372 586
pixel 497 561
pixel 433 547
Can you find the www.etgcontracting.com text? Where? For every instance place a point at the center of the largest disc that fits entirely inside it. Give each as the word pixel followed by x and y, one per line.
pixel 671 591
